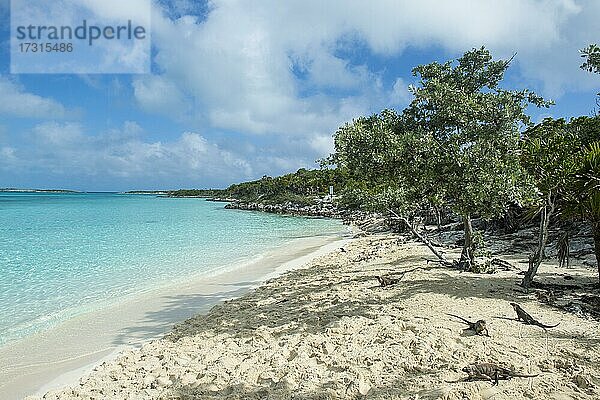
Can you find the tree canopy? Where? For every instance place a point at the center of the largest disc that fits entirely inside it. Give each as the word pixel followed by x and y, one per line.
pixel 472 127
pixel 465 146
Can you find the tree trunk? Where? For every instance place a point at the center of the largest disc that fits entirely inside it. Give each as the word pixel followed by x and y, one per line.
pixel 536 258
pixel 596 232
pixel 438 217
pixel 466 257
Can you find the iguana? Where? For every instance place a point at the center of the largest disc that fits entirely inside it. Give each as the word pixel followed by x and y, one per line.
pixel 491 372
pixel 387 281
pixel 479 327
pixel 522 315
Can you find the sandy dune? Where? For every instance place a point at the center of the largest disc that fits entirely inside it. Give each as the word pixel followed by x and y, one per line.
pixel 328 331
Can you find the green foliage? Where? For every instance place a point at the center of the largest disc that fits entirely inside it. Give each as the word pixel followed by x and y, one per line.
pixel 285 198
pixel 585 196
pixel 368 147
pixel 591 55
pixel 479 245
pixel 197 193
pixel 455 146
pixel 559 164
pixel 458 146
pixel 300 187
pixel 471 126
pixel 587 129
pixel 381 159
pixel 549 153
pixel 355 197
pixel 377 198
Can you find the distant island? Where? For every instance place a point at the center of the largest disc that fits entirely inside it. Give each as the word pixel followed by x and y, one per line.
pixel 15 190
pixel 150 192
pixel 205 193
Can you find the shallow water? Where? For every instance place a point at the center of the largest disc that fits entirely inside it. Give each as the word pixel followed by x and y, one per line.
pixel 65 254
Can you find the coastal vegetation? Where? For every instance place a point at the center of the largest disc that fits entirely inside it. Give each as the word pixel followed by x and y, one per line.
pixel 300 187
pixel 465 148
pixel 209 193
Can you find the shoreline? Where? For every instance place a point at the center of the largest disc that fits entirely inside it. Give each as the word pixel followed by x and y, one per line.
pixel 330 331
pixel 52 360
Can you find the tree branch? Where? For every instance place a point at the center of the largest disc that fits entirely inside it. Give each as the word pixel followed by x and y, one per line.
pixel 422 238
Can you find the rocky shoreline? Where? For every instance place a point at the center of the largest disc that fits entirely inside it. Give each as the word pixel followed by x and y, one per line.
pixel 319 209
pixel 365 221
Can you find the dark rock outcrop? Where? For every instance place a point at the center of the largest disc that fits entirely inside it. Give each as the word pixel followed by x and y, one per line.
pixel 319 209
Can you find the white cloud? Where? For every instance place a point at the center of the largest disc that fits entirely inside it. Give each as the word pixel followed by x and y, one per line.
pixel 400 94
pixel 284 70
pixel 159 95
pixel 557 64
pixel 267 67
pixel 322 144
pixel 104 56
pixel 119 10
pixel 65 149
pixel 15 101
pixel 7 156
pixel 53 134
pixel 238 69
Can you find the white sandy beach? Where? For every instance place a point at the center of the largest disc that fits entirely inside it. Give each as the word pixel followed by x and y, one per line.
pixel 60 356
pixel 329 331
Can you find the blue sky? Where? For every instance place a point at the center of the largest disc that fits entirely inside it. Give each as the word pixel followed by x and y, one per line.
pixel 244 88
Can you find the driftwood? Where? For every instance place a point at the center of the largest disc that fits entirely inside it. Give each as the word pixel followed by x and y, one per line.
pixel 423 239
pixel 503 264
pixel 555 286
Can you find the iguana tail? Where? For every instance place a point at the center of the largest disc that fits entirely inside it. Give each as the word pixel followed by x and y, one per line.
pixel 546 326
pixel 516 375
pixel 461 318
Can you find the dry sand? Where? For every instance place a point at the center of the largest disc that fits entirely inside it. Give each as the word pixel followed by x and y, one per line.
pixel 328 331
pixel 59 357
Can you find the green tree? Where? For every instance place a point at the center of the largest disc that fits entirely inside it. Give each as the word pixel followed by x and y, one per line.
pixel 585 202
pixel 368 148
pixel 473 127
pixel 381 159
pixel 586 128
pixel 583 198
pixel 550 153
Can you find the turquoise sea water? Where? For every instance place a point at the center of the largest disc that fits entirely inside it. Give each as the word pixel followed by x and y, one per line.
pixel 64 254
